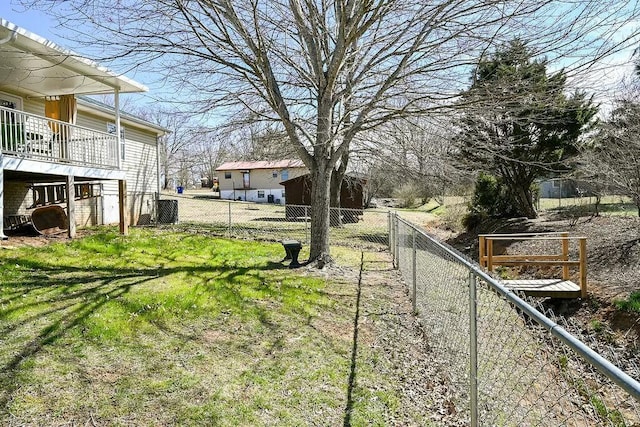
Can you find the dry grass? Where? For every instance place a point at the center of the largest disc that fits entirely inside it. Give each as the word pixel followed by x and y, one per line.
pixel 166 328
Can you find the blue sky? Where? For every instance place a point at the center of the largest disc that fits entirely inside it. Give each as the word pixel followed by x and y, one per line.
pixel 31 20
pixel 603 82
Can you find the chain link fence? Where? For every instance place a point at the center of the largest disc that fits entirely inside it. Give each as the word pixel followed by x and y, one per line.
pixel 366 229
pixel 510 360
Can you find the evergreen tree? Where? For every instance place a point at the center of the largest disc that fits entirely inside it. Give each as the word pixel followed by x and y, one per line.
pixel 519 125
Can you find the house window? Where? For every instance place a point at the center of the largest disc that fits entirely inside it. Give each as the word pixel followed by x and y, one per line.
pixel 283 196
pixel 284 174
pixel 111 128
pixel 555 183
pixel 246 182
pixel 274 174
pixel 227 175
pixel 260 194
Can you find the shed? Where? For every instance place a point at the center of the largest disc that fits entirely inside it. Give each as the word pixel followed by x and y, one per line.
pixel 298 195
pixel 558 188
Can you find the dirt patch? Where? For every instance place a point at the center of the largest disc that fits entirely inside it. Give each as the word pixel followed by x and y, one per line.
pixel 17 241
pixel 29 237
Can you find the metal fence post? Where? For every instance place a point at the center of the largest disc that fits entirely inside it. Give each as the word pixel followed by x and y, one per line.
pixel 397 242
pixel 473 350
pixel 393 256
pixel 306 226
pixel 393 240
pixel 389 222
pixel 229 219
pixel 414 278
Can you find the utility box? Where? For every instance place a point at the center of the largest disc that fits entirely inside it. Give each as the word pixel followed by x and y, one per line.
pixel 167 211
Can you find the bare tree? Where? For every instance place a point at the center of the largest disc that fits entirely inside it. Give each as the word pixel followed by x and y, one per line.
pixel 413 154
pixel 612 158
pixel 327 70
pixel 208 150
pixel 172 145
pixel 252 139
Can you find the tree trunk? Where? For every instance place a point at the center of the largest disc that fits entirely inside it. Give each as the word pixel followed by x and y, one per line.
pixel 320 200
pixel 525 203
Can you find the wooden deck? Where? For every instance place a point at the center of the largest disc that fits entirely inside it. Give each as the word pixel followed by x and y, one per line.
pixel 556 288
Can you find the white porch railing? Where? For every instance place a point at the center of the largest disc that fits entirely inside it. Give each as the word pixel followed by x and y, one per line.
pixel 40 138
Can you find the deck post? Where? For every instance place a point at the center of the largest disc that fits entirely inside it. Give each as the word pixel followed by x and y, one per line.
pixel 473 350
pixel 583 267
pixel 116 102
pixel 481 251
pixel 71 206
pixel 122 202
pixel 565 255
pixel 489 254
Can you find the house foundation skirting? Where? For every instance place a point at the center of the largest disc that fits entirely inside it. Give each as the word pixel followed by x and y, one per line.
pixel 254 195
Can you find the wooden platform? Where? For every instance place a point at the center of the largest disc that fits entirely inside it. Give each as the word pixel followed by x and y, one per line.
pixel 556 288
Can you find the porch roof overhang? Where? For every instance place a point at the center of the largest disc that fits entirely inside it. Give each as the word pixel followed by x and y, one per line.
pixel 38 67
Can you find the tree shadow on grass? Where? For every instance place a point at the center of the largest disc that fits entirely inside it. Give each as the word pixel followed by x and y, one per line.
pixel 354 351
pixel 378 238
pixel 72 315
pixel 53 300
pixel 280 219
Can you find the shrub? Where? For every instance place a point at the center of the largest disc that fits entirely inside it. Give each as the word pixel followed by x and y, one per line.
pixel 407 194
pixel 631 304
pixel 491 199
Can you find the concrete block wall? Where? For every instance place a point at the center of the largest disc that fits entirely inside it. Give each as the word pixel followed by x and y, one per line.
pixel 18 200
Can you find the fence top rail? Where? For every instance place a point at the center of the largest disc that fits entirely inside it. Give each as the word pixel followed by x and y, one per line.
pixel 515 237
pixel 607 368
pixel 548 233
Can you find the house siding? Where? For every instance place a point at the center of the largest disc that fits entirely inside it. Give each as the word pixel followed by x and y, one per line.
pixel 259 180
pixel 140 165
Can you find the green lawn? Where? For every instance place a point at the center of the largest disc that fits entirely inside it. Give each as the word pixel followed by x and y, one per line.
pixel 166 328
pixel 630 304
pixel 609 205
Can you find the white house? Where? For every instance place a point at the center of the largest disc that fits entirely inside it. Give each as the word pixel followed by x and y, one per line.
pixel 60 147
pixel 257 181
